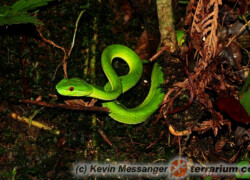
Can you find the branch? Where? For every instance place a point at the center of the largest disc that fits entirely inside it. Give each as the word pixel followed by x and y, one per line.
pixel 33 123
pixel 65 106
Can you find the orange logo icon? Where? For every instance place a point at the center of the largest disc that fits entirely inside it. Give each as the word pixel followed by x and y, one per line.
pixel 178 168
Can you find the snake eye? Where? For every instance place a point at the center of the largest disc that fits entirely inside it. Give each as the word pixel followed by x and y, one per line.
pixel 71 88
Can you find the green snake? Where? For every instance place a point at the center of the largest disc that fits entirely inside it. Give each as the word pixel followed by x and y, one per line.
pixel 118 85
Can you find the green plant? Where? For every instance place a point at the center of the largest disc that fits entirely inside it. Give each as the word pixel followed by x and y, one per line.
pixel 21 11
pixel 245 93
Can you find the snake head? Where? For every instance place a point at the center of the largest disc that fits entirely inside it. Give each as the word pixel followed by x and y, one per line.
pixel 74 87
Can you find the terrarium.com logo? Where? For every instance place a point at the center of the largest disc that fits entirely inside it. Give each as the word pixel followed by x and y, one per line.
pixel 178 168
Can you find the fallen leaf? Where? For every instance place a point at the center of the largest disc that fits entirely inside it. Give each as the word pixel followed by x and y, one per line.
pixel 233 108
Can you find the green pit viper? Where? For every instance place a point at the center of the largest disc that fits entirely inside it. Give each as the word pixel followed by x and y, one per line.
pixel 118 85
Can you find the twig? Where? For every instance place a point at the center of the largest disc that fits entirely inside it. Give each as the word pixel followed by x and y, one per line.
pixel 66 52
pixel 65 106
pixel 33 123
pixel 54 76
pixel 245 19
pixel 235 36
pixel 104 137
pixel 154 57
pixel 74 36
pixel 49 41
pixel 33 115
pixel 57 46
pixel 153 143
pixel 72 46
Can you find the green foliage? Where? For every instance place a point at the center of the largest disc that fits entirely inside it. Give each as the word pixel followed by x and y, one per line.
pixel 245 93
pixel 245 101
pixel 180 34
pixel 18 12
pixel 245 175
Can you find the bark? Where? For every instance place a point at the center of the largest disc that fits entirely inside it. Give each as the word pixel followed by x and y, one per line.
pixel 166 24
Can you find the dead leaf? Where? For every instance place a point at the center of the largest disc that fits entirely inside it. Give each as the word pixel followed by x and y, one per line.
pixel 146 45
pixel 39 98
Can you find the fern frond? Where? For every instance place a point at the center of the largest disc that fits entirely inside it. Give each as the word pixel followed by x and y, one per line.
pixel 18 12
pixel 210 46
pixel 3 9
pixel 199 13
pixel 191 7
pixel 27 5
pixel 18 19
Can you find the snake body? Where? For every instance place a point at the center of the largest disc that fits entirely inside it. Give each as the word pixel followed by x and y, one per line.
pixel 118 85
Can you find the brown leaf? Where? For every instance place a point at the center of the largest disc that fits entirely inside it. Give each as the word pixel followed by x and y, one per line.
pixel 219 145
pixel 39 98
pixel 233 108
pixel 142 47
pixel 146 45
